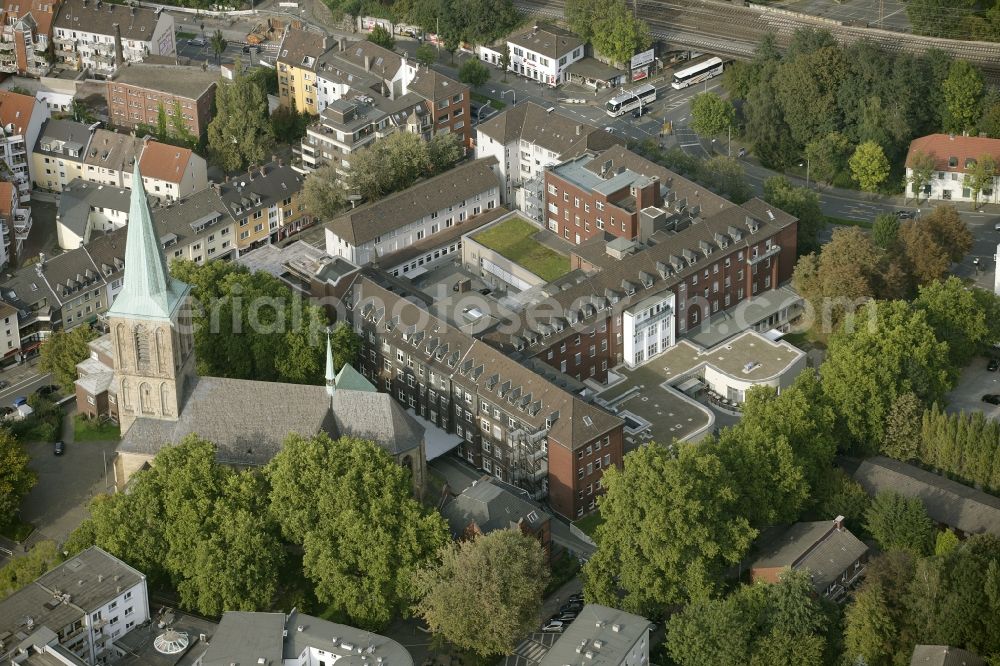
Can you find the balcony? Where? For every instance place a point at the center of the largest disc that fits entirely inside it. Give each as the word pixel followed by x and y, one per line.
pixel 6 46
pixel 65 46
pixel 8 67
pixel 37 71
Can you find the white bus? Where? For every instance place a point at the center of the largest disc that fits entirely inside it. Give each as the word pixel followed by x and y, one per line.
pixel 631 99
pixel 698 72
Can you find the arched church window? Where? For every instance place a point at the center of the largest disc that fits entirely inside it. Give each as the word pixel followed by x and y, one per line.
pixel 161 349
pixel 145 398
pixel 165 399
pixel 142 355
pixel 126 396
pixel 121 336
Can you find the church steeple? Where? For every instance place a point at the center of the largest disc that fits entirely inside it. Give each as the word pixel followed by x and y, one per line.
pixel 331 376
pixel 150 324
pixel 149 291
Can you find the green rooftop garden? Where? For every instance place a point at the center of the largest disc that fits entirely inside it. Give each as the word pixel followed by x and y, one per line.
pixel 514 240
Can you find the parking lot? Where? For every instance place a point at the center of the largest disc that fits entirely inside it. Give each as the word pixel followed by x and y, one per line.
pixel 975 382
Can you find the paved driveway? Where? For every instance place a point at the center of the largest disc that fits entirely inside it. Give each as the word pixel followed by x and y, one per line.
pixel 973 383
pixel 66 484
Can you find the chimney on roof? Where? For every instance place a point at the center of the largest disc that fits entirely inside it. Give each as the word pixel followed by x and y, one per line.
pixel 326 43
pixel 838 523
pixel 217 187
pixel 579 129
pixel 119 57
pixel 367 62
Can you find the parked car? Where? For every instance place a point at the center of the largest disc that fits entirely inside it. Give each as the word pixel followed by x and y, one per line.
pixel 46 391
pixel 641 111
pixel 59 448
pixel 20 400
pixel 251 48
pixel 905 214
pixel 564 617
pixel 992 398
pixel 196 41
pixel 576 596
pixel 571 607
pixel 554 626
pixel 996 227
pixel 993 365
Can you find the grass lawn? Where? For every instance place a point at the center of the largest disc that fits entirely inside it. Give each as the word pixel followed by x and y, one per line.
pixel 588 524
pixel 513 239
pixel 87 430
pixel 17 531
pixel 185 35
pixel 483 99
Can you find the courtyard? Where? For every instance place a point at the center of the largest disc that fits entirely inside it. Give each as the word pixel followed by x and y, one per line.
pixel 515 239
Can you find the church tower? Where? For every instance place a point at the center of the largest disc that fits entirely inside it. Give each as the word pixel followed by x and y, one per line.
pixel 150 325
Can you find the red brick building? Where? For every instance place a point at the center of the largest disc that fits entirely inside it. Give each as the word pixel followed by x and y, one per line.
pixel 645 234
pixel 140 90
pixel 450 100
pixel 515 424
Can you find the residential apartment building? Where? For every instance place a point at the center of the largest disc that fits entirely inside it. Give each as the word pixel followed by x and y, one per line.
pixel 298 61
pixel 528 138
pixel 87 210
pixel 59 154
pixel 139 91
pixel 348 125
pixel 668 235
pixel 266 203
pixel 110 157
pixel 15 222
pixel 102 36
pixel 430 206
pixel 22 117
pixel 88 602
pixel 10 335
pixel 27 32
pixel 602 635
pixel 451 101
pixel 954 157
pixel 295 639
pixel 541 53
pixel 170 172
pixel 515 424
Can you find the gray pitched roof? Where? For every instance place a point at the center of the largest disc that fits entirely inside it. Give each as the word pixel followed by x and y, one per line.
pixel 491 508
pixel 137 23
pixel 178 80
pixel 433 85
pixel 80 197
pixel 547 40
pixel 819 547
pixel 943 655
pixel 559 133
pixel 112 150
pixel 946 501
pixel 254 432
pixel 61 135
pixel 366 223
pixel 253 190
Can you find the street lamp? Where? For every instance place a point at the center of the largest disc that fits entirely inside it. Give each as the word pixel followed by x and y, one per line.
pixel 513 95
pixel 807 169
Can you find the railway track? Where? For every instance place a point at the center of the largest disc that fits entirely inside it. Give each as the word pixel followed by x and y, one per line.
pixel 735 30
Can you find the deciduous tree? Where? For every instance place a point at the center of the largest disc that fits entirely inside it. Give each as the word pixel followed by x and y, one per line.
pixel 16 479
pixel 828 156
pixel 980 177
pixel 346 345
pixel 484 595
pixel 900 523
pixel 922 167
pixel 962 91
pixel 426 55
pixel 617 35
pixel 885 230
pixel 710 114
pixel 473 72
pixel 240 134
pixel 23 570
pixel 869 166
pixel 219 44
pixel 322 193
pixel 801 202
pixel 670 528
pixel 379 35
pixel 888 350
pixel 61 351
pixel 957 316
pixel 348 504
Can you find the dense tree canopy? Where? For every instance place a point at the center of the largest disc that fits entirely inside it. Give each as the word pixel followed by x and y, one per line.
pixel 240 134
pixel 890 349
pixel 397 161
pixel 900 523
pixel 609 26
pixel 62 350
pixel 22 570
pixel 484 595
pixel 710 114
pixel 363 536
pixel 473 21
pixel 801 202
pixel 252 326
pixel 323 194
pixel 189 522
pixel 16 479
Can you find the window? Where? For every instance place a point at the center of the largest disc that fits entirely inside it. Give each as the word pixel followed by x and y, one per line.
pixel 579 473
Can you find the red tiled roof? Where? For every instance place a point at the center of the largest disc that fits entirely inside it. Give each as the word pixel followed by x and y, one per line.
pixel 952 152
pixel 15 109
pixel 42 11
pixel 162 161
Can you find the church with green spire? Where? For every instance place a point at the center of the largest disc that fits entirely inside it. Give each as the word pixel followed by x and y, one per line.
pixel 158 398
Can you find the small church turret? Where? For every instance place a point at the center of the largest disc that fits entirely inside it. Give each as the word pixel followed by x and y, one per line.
pixel 331 376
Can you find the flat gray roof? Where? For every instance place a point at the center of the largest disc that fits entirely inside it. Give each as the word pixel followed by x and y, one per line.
pixel 615 631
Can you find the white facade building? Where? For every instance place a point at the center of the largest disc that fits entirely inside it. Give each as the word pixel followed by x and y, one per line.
pixel 648 328
pixel 541 53
pixel 399 220
pixel 102 36
pixel 954 158
pixel 602 635
pixel 21 117
pixel 88 601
